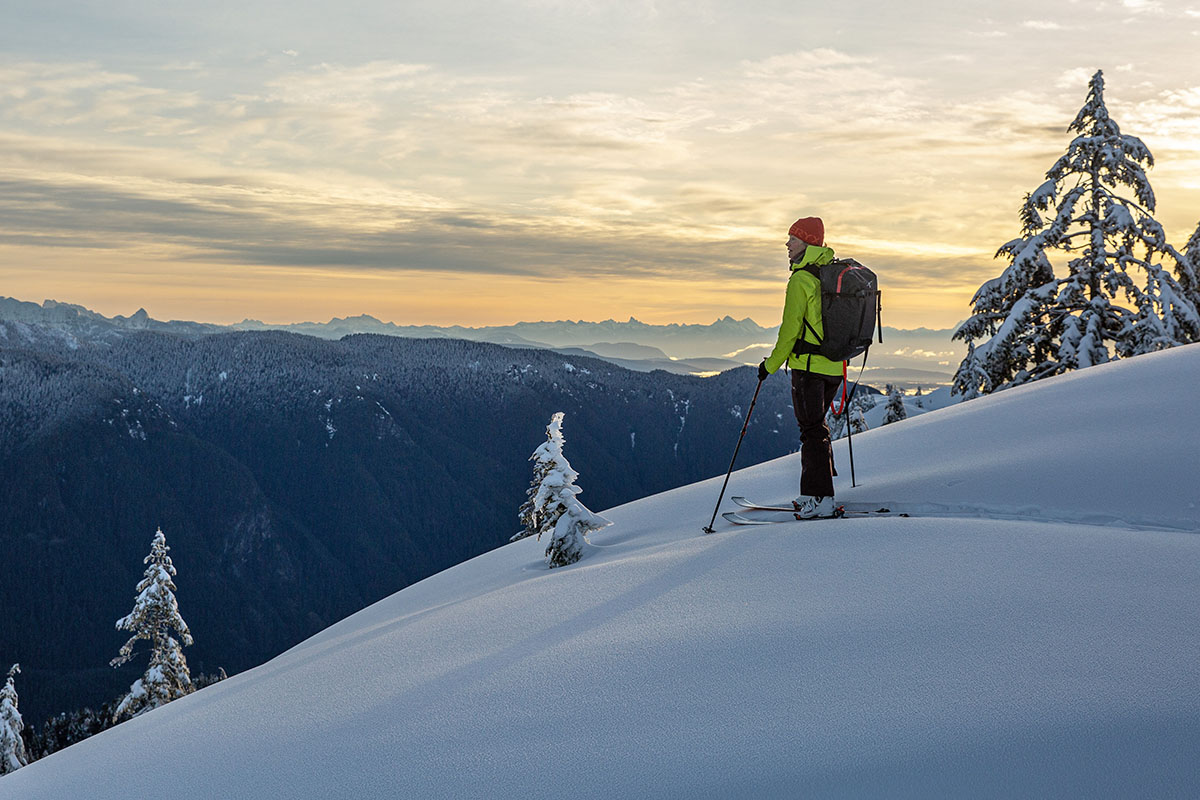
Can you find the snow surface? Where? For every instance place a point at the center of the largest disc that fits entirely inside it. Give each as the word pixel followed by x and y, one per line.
pixel 1035 635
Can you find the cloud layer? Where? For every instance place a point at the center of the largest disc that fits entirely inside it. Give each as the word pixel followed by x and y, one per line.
pixel 446 166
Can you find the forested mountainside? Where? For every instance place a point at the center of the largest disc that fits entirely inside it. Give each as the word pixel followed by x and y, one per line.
pixel 300 479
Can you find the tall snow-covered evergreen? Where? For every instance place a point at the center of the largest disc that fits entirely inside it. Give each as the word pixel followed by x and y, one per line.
pixel 12 746
pixel 1116 298
pixel 155 613
pixel 552 507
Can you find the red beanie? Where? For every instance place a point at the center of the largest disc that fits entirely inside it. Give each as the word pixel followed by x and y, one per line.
pixel 810 230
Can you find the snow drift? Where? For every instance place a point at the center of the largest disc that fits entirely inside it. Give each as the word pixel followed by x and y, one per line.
pixel 1029 631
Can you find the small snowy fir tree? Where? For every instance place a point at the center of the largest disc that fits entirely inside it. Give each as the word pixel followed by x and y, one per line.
pixel 570 533
pixel 895 410
pixel 854 417
pixel 553 507
pixel 155 613
pixel 12 746
pixel 1036 324
pixel 972 378
pixel 553 479
pixel 544 457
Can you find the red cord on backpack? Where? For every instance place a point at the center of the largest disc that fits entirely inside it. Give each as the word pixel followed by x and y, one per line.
pixel 845 380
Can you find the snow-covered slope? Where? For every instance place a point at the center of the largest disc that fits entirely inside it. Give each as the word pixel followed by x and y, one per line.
pixel 1030 631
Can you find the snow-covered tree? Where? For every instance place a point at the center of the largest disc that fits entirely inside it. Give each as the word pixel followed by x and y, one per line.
pixel 895 410
pixel 569 536
pixel 533 511
pixel 552 507
pixel 853 418
pixel 69 727
pixel 12 746
pixel 972 378
pixel 155 613
pixel 1036 324
pixel 554 480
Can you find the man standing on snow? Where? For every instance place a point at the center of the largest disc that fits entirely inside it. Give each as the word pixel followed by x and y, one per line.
pixel 815 379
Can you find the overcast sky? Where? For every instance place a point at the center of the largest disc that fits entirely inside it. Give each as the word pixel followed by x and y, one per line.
pixel 485 163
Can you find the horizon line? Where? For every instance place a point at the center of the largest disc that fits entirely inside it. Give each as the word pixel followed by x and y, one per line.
pixel 141 311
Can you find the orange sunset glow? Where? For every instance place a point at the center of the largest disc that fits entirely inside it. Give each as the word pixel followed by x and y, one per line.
pixel 551 160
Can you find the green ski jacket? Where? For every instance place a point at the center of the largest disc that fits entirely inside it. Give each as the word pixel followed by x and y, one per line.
pixel 803 301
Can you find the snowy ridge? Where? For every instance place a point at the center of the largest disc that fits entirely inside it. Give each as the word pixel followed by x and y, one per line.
pixel 901 657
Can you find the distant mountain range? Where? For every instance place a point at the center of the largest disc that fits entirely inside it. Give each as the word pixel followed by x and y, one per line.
pixel 909 357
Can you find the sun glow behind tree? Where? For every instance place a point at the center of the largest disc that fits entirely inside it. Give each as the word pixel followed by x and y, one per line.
pixel 1117 299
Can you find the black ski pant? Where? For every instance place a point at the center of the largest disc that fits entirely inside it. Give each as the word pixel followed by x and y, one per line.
pixel 811 395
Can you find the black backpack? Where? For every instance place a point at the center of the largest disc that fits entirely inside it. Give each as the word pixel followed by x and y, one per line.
pixel 851 307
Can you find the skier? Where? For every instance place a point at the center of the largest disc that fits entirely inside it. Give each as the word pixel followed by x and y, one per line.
pixel 815 379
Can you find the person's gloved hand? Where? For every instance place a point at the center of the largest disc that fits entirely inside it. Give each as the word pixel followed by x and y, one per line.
pixel 762 371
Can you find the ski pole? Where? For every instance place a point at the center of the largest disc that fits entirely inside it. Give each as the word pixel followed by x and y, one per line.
pixel 850 435
pixel 746 424
pixel 850 444
pixel 846 406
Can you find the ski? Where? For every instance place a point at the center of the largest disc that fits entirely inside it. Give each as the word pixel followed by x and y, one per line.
pixel 738 519
pixel 786 515
pixel 749 504
pixel 744 503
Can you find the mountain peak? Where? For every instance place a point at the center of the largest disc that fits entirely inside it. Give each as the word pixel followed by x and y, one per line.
pixel 361 319
pixel 728 321
pixel 139 319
